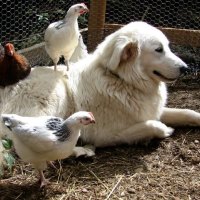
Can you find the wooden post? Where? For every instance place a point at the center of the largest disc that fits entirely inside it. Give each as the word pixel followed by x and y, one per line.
pixel 96 23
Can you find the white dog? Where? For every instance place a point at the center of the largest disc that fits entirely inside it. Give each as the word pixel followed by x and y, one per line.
pixel 122 83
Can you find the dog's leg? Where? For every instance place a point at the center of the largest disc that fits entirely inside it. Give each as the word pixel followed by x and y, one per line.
pixel 145 130
pixel 180 117
pixel 87 150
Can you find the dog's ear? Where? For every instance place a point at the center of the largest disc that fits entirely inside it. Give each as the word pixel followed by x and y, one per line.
pixel 129 52
pixel 124 50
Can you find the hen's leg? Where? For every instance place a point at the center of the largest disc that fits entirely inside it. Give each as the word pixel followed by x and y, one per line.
pixel 67 64
pixel 51 163
pixel 55 61
pixel 43 180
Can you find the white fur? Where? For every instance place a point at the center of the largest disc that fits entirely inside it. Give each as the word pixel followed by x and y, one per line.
pixel 116 83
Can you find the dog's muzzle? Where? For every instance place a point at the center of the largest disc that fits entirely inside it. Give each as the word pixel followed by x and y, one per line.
pixel 184 70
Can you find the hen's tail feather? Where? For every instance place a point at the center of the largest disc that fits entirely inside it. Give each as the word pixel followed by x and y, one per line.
pixel 7 121
pixel 80 52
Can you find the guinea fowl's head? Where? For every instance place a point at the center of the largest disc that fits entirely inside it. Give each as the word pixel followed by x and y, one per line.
pixel 78 9
pixel 9 49
pixel 81 118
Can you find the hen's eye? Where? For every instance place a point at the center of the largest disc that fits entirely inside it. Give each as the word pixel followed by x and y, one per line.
pixel 87 118
pixel 159 50
pixel 80 7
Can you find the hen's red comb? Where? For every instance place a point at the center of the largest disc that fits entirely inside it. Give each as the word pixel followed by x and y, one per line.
pixel 9 49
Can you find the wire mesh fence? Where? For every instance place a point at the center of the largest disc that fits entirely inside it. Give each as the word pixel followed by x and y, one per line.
pixel 170 13
pixel 23 22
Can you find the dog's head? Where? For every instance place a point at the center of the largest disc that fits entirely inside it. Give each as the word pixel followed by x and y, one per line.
pixel 140 51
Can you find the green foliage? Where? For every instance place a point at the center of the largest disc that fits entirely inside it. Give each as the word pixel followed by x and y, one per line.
pixel 83 20
pixel 7 155
pixel 43 17
pixel 10 160
pixel 7 143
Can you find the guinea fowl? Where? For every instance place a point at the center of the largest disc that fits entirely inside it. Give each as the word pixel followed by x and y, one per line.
pixel 62 37
pixel 13 66
pixel 39 140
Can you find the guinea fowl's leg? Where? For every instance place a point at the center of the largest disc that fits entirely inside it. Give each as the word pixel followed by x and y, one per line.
pixel 43 180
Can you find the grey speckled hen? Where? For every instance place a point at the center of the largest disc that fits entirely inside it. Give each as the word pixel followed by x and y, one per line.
pixel 41 139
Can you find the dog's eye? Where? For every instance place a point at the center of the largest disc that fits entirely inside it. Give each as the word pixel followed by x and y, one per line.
pixel 159 50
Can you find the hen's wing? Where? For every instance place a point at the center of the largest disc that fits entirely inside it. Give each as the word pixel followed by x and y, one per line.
pixel 53 29
pixel 39 135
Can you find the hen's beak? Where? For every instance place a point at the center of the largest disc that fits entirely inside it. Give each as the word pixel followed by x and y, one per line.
pixel 85 10
pixel 93 121
pixel 10 53
pixel 9 49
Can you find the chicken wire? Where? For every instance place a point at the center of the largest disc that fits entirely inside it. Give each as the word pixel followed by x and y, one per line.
pixel 170 13
pixel 23 22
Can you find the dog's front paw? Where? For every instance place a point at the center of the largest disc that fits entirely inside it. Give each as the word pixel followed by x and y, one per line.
pixel 194 118
pixel 87 150
pixel 168 131
pixel 161 130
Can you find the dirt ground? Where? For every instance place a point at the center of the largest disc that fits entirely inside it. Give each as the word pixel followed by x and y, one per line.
pixel 163 169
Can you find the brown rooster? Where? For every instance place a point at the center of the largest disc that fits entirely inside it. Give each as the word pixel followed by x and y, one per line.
pixel 13 66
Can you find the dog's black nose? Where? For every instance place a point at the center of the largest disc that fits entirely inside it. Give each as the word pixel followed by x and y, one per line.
pixel 184 70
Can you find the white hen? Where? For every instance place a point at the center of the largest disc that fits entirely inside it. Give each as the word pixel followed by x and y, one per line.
pixel 41 139
pixel 61 37
pixel 80 52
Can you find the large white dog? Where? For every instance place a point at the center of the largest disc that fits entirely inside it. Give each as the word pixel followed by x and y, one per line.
pixel 122 83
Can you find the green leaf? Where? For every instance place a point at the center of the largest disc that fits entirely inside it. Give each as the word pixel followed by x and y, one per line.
pixel 7 143
pixel 1 171
pixel 10 160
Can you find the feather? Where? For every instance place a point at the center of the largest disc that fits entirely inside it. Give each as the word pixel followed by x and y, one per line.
pixel 80 52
